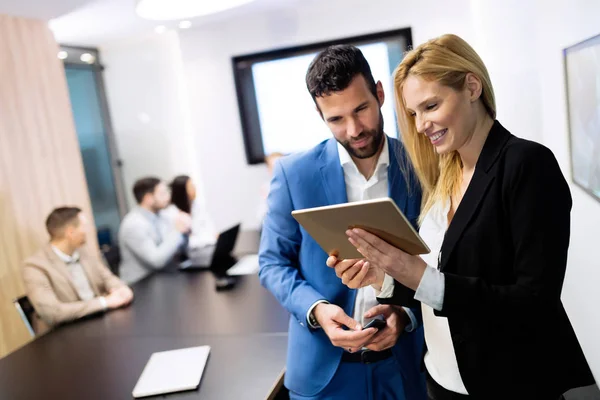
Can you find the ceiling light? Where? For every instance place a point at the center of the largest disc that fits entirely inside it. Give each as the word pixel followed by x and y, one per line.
pixel 185 24
pixel 87 58
pixel 160 29
pixel 163 10
pixel 63 55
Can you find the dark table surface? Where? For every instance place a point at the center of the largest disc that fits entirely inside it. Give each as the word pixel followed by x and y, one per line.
pixel 102 357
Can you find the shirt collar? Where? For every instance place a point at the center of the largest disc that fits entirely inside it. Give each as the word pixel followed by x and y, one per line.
pixel 65 257
pixel 148 214
pixel 384 157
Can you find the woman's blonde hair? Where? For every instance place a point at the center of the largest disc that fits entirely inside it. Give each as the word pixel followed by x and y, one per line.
pixel 447 60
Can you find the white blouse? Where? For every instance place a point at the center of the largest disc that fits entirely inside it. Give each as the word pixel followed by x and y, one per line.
pixel 440 359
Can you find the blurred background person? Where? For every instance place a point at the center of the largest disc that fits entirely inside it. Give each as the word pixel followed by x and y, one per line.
pixel 148 238
pixel 64 280
pixel 203 235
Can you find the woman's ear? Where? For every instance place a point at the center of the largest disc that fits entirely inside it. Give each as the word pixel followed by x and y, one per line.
pixel 474 86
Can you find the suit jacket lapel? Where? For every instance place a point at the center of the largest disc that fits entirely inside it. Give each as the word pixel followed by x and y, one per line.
pixel 482 178
pixel 397 188
pixel 334 185
pixel 60 268
pixel 333 174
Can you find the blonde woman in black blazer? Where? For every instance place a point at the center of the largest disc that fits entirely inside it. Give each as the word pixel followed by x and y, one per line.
pixel 496 214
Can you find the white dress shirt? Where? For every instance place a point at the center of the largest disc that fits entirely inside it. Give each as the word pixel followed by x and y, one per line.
pixel 78 276
pixel 440 359
pixel 358 188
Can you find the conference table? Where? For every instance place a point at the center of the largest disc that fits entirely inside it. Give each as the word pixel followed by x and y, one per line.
pixel 102 357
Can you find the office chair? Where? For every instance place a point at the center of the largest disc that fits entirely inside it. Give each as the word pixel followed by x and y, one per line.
pixel 27 313
pixel 112 256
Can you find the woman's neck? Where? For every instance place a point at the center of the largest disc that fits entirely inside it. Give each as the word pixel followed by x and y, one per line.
pixel 470 151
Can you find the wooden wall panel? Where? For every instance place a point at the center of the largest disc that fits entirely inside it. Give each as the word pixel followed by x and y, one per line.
pixel 40 161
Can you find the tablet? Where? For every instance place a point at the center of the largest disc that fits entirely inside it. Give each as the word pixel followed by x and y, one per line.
pixel 381 217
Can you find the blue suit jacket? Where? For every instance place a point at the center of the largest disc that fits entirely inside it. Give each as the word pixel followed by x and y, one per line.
pixel 292 264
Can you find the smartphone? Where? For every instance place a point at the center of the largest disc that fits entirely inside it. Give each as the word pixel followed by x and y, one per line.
pixel 376 323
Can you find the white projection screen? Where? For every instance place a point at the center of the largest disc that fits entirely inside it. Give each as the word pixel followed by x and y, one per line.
pixel 277 112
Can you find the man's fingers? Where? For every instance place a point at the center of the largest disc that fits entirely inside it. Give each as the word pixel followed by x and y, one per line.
pixel 358 280
pixel 384 339
pixel 351 272
pixel 344 319
pixel 344 265
pixel 331 261
pixel 379 309
pixel 352 339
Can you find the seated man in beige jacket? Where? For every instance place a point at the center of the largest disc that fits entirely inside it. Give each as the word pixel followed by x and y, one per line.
pixel 64 281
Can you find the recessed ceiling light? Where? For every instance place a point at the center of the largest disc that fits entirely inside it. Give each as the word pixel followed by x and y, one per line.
pixel 160 29
pixel 164 10
pixel 87 58
pixel 185 24
pixel 63 55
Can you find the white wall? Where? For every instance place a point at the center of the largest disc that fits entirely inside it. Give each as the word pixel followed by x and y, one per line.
pixel 207 53
pixel 562 24
pixel 147 98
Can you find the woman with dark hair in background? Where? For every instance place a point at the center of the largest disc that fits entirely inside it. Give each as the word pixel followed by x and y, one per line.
pixel 203 237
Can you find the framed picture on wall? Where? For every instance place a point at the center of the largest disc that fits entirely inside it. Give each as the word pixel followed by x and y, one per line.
pixel 582 71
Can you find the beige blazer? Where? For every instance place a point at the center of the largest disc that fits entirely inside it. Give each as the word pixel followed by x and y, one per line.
pixel 52 292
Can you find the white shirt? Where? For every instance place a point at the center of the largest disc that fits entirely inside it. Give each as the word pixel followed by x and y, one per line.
pixel 358 188
pixel 440 359
pixel 78 276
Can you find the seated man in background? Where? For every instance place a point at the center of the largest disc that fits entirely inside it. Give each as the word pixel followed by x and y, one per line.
pixel 64 281
pixel 148 239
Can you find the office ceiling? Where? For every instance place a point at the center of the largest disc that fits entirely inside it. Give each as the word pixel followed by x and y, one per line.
pixel 98 22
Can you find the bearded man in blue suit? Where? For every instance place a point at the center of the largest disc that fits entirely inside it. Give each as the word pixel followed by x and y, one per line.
pixel 330 356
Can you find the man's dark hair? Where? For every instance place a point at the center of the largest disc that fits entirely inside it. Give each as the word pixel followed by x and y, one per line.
pixel 144 186
pixel 59 218
pixel 334 68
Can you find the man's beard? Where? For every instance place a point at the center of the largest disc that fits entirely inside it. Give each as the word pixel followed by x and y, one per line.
pixel 370 149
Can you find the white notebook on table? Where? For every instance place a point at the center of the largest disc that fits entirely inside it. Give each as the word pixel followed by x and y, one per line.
pixel 247 265
pixel 172 371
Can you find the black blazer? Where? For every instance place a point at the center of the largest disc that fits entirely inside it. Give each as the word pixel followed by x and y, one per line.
pixel 504 257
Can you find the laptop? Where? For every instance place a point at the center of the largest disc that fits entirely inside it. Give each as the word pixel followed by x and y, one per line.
pixel 172 371
pixel 221 259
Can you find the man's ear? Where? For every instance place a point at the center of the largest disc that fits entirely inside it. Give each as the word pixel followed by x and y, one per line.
pixel 380 93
